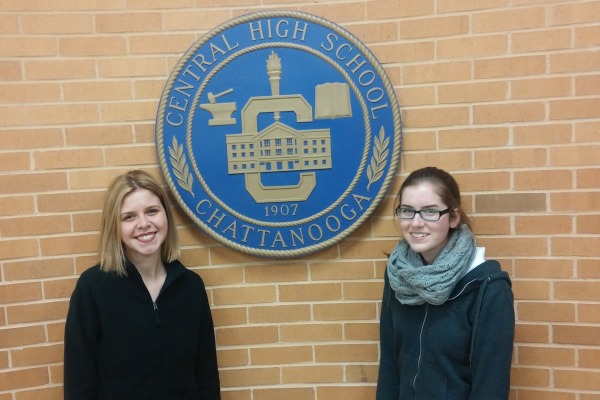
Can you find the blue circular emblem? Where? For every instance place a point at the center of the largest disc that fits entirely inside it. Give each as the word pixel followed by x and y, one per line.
pixel 278 133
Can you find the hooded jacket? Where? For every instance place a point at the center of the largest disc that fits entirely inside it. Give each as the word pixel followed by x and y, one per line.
pixel 120 345
pixel 459 350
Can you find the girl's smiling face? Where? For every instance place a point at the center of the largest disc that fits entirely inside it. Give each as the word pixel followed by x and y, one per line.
pixel 424 237
pixel 144 224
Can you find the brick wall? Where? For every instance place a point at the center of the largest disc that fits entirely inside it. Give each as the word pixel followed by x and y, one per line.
pixel 505 94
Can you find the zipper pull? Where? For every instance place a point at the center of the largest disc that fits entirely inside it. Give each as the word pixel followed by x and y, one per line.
pixel 155 307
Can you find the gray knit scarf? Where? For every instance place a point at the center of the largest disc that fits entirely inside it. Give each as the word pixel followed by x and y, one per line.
pixel 417 283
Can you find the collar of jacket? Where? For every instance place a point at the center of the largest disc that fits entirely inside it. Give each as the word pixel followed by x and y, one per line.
pixel 174 270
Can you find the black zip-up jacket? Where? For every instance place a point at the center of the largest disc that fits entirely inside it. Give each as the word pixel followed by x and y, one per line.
pixel 459 350
pixel 120 345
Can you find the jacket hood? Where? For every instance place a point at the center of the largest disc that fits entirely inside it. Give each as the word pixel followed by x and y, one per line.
pixel 478 279
pixel 486 272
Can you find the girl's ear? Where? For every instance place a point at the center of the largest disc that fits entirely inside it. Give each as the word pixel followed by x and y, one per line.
pixel 454 218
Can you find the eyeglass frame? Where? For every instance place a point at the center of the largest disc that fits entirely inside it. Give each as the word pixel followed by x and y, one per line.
pixel 415 212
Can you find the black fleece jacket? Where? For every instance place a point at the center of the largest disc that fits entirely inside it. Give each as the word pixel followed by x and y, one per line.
pixel 120 345
pixel 459 350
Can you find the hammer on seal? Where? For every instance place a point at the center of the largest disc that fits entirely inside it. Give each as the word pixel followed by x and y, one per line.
pixel 212 98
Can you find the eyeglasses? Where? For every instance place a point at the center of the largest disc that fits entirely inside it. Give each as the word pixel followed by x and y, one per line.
pixel 428 214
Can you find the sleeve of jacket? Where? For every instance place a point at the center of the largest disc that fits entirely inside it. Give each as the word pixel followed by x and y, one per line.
pixel 388 381
pixel 493 343
pixel 81 341
pixel 207 370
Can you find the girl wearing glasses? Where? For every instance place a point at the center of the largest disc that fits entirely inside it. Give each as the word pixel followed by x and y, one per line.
pixel 447 317
pixel 139 324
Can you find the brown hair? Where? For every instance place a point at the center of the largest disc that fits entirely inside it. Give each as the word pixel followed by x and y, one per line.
pixel 447 189
pixel 112 253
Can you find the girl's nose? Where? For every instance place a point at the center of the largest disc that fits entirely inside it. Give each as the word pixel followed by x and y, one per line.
pixel 417 220
pixel 143 222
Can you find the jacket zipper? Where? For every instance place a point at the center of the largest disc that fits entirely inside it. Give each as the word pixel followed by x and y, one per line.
pixel 156 316
pixel 420 349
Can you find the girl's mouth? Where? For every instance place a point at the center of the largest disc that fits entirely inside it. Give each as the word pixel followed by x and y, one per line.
pixel 146 237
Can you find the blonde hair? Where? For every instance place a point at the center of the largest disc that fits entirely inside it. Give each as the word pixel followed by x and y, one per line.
pixel 112 253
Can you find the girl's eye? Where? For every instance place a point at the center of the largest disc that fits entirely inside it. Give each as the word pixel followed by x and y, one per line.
pixel 430 212
pixel 407 212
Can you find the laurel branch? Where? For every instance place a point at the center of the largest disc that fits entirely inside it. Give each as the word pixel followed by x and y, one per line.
pixel 379 158
pixel 180 167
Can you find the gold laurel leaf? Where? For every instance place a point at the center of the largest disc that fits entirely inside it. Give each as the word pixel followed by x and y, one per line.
pixel 180 167
pixel 379 158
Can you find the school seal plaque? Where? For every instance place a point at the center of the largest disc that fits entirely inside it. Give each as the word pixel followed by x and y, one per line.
pixel 278 133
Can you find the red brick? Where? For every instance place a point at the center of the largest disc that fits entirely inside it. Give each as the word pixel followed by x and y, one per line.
pixel 439 72
pixel 541 40
pixel 320 332
pixel 255 376
pixel 588 224
pixel 20 292
pixel 546 311
pixel 584 61
pixel 288 393
pixel 533 377
pixel 433 27
pixel 543 134
pixel 543 225
pixel 37 269
pixel 518 202
pixel 308 374
pixel 550 394
pixel 510 67
pixel 519 158
pixel 531 333
pixel 310 291
pixel 507 21
pixel 279 314
pixel 346 392
pixel 472 46
pixel 37 312
pixel 574 201
pixel 577 12
pixel 531 290
pixel 586 85
pixel 92 46
pixel 589 358
pixel 580 380
pixel 544 180
pixel 576 246
pixel 346 353
pixel 246 335
pixel 375 32
pixel 588 268
pixel 506 113
pixel 473 92
pixel 541 88
pixel 281 355
pixel 31 356
pixel 23 378
pixel 544 356
pixel 49 393
pixel 588 178
pixel 588 313
pixel 576 335
pixel 387 8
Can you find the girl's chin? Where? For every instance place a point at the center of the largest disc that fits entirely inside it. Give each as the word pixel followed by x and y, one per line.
pixel 144 251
